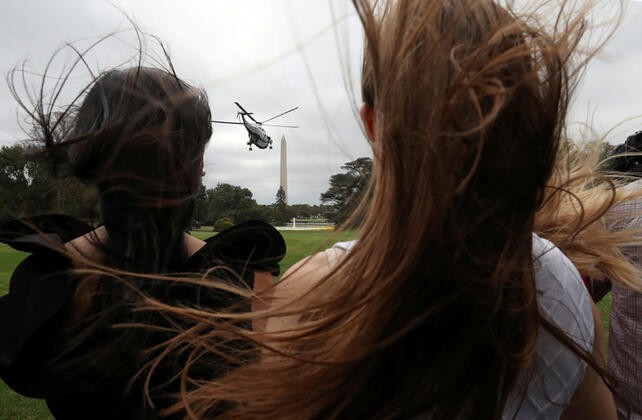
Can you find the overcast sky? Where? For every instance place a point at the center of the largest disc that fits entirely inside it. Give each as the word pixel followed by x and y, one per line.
pixel 271 55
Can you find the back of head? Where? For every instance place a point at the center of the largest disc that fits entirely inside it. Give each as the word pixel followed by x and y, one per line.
pixel 466 95
pixel 139 137
pixel 469 102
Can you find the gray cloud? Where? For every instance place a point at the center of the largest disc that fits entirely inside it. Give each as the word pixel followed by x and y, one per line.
pixel 247 51
pixel 269 56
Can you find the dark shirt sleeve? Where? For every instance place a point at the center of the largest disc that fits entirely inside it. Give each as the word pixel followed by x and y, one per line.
pixel 29 314
pixel 248 246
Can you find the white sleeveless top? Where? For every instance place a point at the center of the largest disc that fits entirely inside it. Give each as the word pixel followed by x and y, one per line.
pixel 557 371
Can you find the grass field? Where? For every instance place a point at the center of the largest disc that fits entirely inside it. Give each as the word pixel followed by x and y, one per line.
pixel 299 244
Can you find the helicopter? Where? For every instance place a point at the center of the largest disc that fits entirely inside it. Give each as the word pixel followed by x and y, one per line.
pixel 257 135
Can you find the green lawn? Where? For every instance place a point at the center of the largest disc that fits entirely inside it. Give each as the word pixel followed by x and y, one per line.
pixel 9 259
pixel 299 243
pixel 604 307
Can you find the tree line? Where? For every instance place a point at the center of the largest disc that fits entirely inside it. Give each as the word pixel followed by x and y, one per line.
pixel 27 187
pixel 226 205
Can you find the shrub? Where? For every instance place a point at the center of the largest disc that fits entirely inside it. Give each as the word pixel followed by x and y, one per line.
pixel 223 223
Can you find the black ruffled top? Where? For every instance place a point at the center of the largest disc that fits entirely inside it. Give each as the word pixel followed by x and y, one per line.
pixel 42 286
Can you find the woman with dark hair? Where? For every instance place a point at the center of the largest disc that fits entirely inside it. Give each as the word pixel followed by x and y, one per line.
pixel 73 327
pixel 448 306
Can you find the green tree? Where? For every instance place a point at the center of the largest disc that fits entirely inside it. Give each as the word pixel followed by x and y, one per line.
pixel 306 211
pixel 347 189
pixel 281 213
pixel 234 202
pixel 222 224
pixel 26 188
pixel 200 207
pixel 281 199
pixel 13 181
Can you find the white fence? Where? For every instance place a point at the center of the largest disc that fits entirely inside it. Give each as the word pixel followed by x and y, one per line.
pixel 306 225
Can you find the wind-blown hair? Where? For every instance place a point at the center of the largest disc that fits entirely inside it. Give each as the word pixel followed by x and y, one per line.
pixel 434 311
pixel 574 215
pixel 469 103
pixel 138 136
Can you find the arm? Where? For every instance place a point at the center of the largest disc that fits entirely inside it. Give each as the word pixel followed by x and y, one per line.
pixel 296 281
pixel 593 399
pixel 263 280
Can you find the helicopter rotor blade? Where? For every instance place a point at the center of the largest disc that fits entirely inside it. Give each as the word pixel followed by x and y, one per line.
pixel 277 116
pixel 249 114
pixel 225 122
pixel 284 126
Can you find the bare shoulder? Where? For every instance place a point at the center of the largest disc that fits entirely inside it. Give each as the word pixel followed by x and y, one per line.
pixel 303 275
pixel 193 244
pixel 85 245
pixel 295 283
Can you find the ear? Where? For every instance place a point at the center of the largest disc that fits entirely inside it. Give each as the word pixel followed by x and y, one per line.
pixel 368 119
